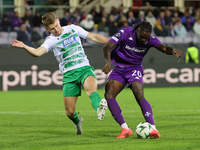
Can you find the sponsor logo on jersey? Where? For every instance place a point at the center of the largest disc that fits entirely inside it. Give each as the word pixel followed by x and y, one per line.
pixel 69 41
pixel 134 49
pixel 114 38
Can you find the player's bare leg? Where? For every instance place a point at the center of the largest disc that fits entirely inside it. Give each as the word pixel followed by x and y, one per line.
pixel 100 105
pixel 70 105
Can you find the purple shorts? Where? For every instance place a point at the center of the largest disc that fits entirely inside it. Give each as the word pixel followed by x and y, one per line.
pixel 127 75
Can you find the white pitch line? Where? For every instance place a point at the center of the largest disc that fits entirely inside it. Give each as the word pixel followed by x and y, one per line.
pixel 176 110
pixel 82 114
pixel 42 112
pixel 92 113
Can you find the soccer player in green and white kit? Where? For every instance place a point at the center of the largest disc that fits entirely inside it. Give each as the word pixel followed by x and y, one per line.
pixel 66 44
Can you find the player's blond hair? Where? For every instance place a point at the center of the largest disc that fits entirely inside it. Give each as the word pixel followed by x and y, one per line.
pixel 48 18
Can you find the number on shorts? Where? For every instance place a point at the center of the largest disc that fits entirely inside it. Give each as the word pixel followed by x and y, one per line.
pixel 137 73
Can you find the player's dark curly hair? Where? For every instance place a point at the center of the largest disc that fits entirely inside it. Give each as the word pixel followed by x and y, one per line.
pixel 144 25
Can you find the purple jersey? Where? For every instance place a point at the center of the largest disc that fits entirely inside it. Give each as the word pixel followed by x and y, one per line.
pixel 128 52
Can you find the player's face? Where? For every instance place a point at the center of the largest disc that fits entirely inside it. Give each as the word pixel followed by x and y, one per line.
pixel 55 28
pixel 143 36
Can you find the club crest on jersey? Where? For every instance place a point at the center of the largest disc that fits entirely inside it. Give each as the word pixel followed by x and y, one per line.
pixel 69 41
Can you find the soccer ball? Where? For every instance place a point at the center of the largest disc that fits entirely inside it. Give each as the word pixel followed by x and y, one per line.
pixel 143 130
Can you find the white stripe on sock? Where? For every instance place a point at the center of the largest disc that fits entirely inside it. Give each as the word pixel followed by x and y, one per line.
pixel 124 125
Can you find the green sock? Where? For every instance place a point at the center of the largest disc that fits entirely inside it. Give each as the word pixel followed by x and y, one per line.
pixel 95 100
pixel 75 118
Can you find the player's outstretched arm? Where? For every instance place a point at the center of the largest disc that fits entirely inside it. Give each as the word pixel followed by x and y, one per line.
pixel 32 51
pixel 107 49
pixel 97 38
pixel 169 50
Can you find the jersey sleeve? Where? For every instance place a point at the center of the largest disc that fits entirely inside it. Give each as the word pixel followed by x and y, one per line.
pixel 47 44
pixel 118 37
pixel 81 32
pixel 155 41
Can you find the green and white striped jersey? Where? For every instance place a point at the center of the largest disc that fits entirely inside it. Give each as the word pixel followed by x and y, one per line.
pixel 67 48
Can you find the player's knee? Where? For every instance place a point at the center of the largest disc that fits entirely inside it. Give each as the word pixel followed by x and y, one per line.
pixel 139 94
pixel 137 91
pixel 109 95
pixel 89 92
pixel 69 113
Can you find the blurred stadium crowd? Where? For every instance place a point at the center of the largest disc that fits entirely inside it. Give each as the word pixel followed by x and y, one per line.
pixel 169 25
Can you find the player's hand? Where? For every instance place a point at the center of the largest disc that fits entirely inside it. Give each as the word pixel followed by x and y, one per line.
pixel 17 43
pixel 107 68
pixel 177 53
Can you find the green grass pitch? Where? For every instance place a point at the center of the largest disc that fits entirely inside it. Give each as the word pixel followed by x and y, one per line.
pixel 36 120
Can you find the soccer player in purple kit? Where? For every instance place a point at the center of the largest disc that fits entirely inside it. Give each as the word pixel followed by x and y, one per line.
pixel 126 50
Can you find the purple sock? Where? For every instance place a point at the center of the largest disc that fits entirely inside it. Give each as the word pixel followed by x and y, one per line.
pixel 147 111
pixel 115 110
